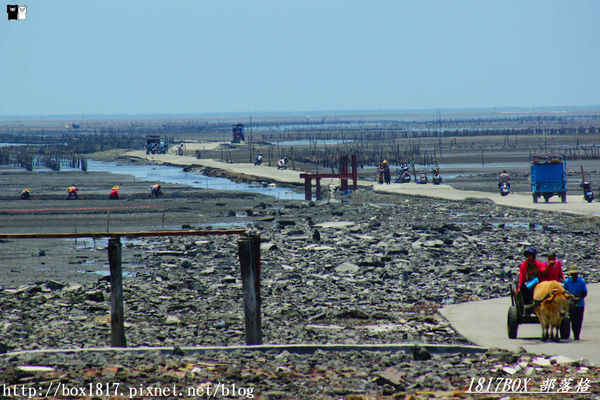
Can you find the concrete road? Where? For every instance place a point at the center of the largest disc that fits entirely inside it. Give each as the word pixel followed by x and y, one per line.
pixel 484 323
pixel 261 171
pixel 575 203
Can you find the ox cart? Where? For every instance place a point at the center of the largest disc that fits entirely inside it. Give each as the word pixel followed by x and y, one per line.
pixel 521 313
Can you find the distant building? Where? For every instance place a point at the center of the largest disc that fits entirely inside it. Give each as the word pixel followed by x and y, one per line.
pixel 238 133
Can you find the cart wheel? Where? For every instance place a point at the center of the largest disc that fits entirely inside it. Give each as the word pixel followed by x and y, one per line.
pixel 512 322
pixel 563 197
pixel 565 328
pixel 535 198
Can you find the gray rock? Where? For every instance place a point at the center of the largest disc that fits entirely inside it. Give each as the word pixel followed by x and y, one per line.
pixel 421 354
pixel 172 320
pixel 347 267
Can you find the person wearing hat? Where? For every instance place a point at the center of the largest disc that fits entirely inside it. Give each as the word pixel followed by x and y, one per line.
pixel 528 272
pixel 552 270
pixel 114 194
pixel 575 285
pixel 72 191
pixel 385 168
pixel 155 190
pixel 25 194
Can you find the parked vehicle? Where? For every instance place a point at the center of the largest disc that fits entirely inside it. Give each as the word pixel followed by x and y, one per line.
pixel 403 176
pixel 548 177
pixel 155 145
pixel 588 193
pixel 437 178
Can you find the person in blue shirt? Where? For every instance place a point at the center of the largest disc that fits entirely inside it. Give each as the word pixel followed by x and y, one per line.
pixel 576 286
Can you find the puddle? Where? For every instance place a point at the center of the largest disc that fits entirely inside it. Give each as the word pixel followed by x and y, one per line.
pixel 102 243
pixel 129 274
pixel 335 224
pixel 106 270
pixel 306 142
pixel 513 224
pixel 232 224
pixel 169 174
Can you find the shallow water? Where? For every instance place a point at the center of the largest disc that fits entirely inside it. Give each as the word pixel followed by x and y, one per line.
pixel 169 174
pixel 306 142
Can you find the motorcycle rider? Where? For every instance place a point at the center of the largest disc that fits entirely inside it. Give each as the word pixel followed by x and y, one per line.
pixel 282 164
pixel 504 177
pixel 436 176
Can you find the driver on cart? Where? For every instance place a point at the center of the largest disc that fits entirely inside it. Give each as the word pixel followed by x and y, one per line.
pixel 529 275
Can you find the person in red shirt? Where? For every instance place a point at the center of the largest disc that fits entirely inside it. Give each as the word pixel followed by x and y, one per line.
pixel 114 194
pixel 552 270
pixel 529 270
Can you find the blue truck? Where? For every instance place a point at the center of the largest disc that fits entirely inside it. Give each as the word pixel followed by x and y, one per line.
pixel 548 177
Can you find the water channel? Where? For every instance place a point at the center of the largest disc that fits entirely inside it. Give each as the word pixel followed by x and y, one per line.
pixel 170 174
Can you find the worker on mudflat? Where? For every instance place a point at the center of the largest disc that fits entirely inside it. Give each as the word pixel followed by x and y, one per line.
pixel 72 191
pixel 576 286
pixel 504 177
pixel 114 194
pixel 385 170
pixel 25 194
pixel 155 190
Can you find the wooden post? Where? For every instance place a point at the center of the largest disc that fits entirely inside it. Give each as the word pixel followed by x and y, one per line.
pixel 318 183
pixel 354 173
pixel 307 189
pixel 249 253
pixel 117 334
pixel 344 171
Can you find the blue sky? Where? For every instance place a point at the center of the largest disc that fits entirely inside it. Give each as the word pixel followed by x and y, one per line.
pixel 191 57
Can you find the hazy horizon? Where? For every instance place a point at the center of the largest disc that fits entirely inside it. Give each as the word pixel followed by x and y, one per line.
pixel 233 57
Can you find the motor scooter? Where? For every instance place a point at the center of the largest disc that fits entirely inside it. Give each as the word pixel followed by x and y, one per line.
pixel 588 193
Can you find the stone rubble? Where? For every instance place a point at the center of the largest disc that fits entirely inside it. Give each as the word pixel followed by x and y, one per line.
pixel 377 272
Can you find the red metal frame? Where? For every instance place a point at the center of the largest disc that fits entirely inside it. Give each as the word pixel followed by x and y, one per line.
pixel 344 175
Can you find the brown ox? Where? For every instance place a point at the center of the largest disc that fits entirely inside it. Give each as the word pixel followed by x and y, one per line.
pixel 551 307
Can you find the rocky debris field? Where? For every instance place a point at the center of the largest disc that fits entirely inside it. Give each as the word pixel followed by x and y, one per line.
pixel 350 375
pixel 370 269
